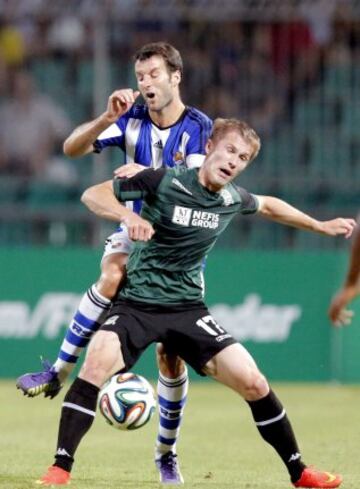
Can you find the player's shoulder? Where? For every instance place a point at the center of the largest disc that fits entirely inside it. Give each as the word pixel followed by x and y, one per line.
pixel 238 194
pixel 248 201
pixel 238 189
pixel 177 171
pixel 198 118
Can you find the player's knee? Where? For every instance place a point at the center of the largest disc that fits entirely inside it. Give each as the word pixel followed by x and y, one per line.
pixel 102 354
pixel 109 281
pixel 257 387
pixel 93 371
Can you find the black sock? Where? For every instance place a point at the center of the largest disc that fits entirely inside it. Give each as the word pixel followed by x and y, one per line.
pixel 275 428
pixel 77 416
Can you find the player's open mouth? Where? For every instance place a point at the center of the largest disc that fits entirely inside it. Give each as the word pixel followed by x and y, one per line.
pixel 150 95
pixel 225 173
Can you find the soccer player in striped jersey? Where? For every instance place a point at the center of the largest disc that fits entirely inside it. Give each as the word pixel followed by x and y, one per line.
pixel 163 132
pixel 184 212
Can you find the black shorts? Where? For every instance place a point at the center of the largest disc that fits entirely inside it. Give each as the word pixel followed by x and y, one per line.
pixel 189 332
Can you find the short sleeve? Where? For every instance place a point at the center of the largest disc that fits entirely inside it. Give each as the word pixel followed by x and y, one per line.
pixel 195 147
pixel 140 186
pixel 114 135
pixel 249 202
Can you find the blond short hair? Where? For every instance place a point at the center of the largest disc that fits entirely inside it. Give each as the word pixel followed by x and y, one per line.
pixel 222 126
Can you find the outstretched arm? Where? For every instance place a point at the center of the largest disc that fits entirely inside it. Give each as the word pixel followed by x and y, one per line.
pixel 101 200
pixel 80 142
pixel 280 211
pixel 338 313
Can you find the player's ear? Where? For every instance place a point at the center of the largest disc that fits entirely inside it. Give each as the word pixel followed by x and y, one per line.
pixel 209 146
pixel 176 78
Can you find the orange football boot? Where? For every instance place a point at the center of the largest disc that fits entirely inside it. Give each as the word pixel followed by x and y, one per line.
pixel 313 478
pixel 55 476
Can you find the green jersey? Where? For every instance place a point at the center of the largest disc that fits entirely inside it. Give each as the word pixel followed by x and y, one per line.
pixel 187 219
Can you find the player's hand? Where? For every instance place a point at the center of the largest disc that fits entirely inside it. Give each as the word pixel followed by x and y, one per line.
pixel 338 314
pixel 128 170
pixel 339 226
pixel 138 228
pixel 119 103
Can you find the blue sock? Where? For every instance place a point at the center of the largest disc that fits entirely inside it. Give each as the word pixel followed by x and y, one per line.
pixel 92 309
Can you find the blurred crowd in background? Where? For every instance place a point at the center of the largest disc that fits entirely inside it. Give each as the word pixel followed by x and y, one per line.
pixel 291 69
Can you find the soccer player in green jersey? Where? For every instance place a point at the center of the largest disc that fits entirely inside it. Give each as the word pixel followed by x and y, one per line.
pixel 184 212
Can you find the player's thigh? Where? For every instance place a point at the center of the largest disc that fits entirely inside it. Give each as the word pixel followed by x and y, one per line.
pixel 195 336
pixel 103 358
pixel 135 327
pixel 236 368
pixel 117 243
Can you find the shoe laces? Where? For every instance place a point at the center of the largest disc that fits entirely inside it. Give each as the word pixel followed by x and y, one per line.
pixel 169 459
pixel 46 365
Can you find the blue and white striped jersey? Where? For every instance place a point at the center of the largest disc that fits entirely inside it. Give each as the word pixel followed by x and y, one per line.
pixel 145 143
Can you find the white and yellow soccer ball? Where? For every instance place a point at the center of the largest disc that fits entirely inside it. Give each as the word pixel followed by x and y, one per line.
pixel 127 401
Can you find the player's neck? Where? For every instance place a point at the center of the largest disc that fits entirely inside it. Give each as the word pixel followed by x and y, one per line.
pixel 206 182
pixel 169 114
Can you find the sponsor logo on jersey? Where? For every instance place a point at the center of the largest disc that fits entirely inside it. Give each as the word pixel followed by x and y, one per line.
pixel 181 215
pixel 203 219
pixel 176 182
pixel 200 219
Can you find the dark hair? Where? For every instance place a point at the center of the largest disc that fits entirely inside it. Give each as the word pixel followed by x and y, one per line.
pixel 222 126
pixel 170 55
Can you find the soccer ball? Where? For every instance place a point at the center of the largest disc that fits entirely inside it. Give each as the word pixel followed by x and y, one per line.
pixel 127 401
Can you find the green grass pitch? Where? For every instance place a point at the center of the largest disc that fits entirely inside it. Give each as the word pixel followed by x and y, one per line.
pixel 219 446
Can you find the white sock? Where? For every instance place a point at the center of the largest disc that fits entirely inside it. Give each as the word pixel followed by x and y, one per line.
pixel 171 398
pixel 92 309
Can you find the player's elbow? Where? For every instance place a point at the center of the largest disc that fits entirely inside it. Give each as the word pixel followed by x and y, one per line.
pixel 71 150
pixel 87 197
pixel 263 204
pixel 67 149
pixel 92 196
